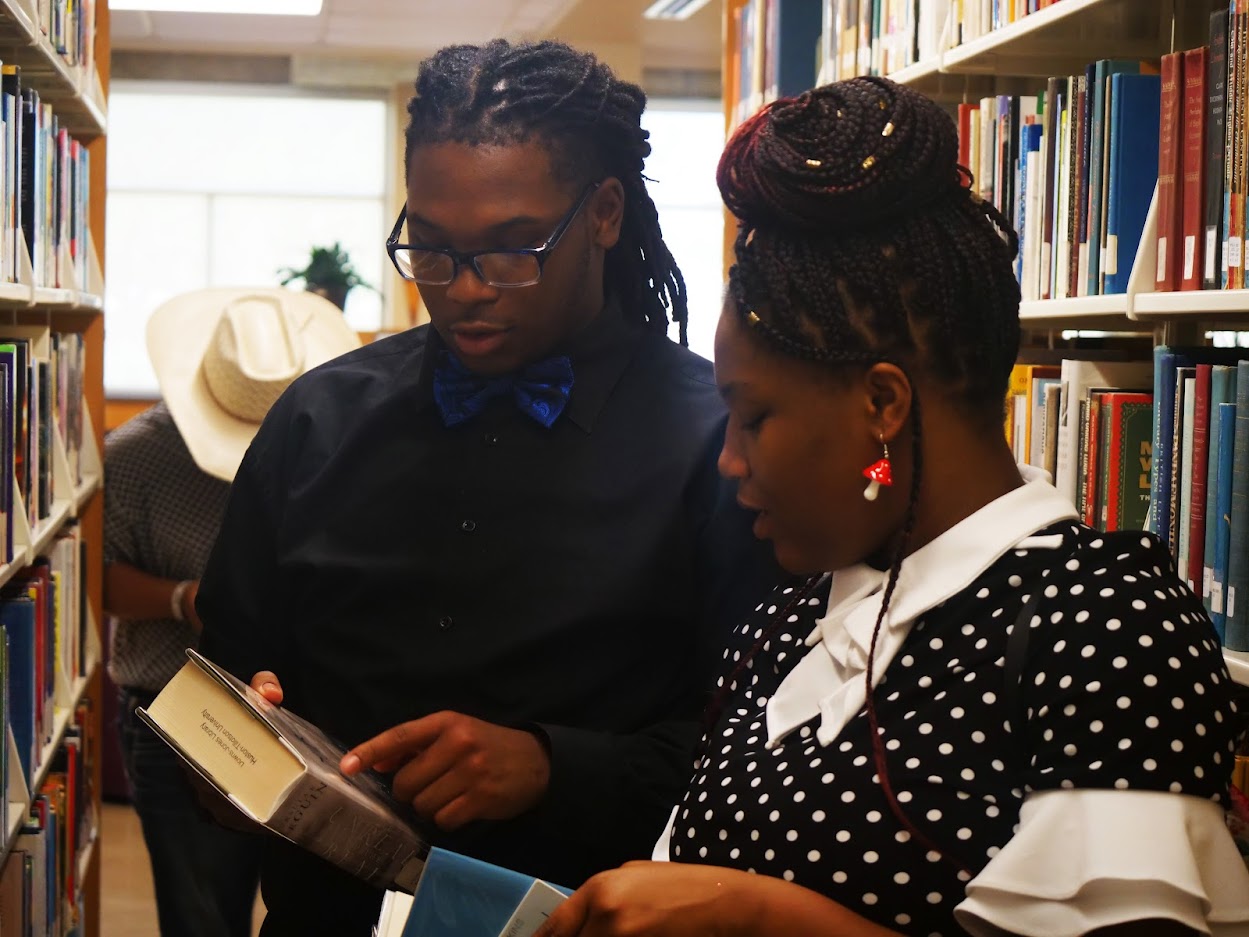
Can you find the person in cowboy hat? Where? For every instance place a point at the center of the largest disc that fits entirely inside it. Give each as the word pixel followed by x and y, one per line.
pixel 502 535
pixel 222 357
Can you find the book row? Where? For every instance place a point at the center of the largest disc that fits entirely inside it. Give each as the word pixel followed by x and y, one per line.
pixel 41 892
pixel 44 191
pixel 1159 445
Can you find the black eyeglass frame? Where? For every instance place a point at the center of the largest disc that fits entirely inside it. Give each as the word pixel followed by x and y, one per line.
pixel 459 258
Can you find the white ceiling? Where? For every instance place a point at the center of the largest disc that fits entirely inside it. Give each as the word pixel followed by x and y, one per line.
pixel 413 28
pixel 398 25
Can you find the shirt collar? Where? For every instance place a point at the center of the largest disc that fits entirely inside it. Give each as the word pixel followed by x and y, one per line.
pixel 600 353
pixel 831 678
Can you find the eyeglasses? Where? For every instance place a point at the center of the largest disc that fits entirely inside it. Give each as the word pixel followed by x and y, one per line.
pixel 439 266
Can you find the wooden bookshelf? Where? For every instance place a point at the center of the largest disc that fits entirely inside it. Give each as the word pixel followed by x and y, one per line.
pixel 77 94
pixel 1061 40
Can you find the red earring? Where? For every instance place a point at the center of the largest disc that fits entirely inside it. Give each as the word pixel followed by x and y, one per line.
pixel 879 473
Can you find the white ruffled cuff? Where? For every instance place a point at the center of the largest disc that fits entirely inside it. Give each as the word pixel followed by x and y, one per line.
pixel 1085 859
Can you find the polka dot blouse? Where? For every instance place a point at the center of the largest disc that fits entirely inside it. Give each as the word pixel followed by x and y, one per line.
pixel 1123 686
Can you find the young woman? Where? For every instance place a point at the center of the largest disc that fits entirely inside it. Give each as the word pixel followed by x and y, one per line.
pixel 990 718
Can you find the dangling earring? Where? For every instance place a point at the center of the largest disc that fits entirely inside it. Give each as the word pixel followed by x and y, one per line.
pixel 879 473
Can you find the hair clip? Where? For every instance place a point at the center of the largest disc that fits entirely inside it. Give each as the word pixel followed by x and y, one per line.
pixel 814 163
pixel 869 162
pixel 888 131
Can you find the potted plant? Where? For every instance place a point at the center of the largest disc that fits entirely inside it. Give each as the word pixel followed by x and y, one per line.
pixel 329 273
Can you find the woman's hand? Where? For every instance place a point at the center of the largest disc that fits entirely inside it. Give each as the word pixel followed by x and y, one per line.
pixel 658 899
pixel 673 899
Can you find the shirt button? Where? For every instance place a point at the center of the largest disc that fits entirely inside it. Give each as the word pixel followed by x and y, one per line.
pixel 468 526
pixel 445 623
pixel 491 439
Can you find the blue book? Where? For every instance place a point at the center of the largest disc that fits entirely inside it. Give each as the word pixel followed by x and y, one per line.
pixel 1237 584
pixel 461 897
pixel 1223 535
pixel 17 615
pixel 1166 359
pixel 1097 162
pixel 1030 143
pixel 790 61
pixel 1222 390
pixel 1135 105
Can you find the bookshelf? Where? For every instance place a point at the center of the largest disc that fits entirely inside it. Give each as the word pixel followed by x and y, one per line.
pixel 66 299
pixel 962 61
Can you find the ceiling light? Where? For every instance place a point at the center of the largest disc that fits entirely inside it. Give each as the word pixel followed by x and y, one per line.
pixel 268 7
pixel 673 9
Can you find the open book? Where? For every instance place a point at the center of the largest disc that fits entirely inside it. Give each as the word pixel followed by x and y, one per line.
pixel 282 772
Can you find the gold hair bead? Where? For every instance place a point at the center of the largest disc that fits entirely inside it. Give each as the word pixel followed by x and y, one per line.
pixel 752 317
pixel 881 104
pixel 839 113
pixel 888 131
pixel 869 162
pixel 814 163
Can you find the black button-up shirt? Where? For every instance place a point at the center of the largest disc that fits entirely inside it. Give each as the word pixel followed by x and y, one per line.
pixel 574 578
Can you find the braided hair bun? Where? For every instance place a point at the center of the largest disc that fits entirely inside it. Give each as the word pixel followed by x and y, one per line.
pixel 855 154
pixel 860 239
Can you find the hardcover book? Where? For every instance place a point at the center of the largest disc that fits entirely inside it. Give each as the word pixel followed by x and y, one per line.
pixel 282 772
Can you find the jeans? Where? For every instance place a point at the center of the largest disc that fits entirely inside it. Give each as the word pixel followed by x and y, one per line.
pixel 205 875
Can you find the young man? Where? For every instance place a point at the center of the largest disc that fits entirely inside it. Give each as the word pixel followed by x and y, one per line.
pixel 501 540
pixel 169 471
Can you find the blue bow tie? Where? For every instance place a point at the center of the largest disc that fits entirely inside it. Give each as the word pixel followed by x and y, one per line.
pixel 541 389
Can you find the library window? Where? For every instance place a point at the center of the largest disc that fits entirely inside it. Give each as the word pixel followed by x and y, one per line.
pixel 215 186
pixel 686 139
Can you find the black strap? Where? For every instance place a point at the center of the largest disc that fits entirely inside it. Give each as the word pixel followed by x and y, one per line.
pixel 1016 654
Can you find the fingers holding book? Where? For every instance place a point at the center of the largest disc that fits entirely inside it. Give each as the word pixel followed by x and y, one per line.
pixel 265 682
pixel 454 769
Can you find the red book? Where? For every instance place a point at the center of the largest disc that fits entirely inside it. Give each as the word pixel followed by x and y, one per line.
pixel 1201 452
pixel 1193 162
pixel 1167 276
pixel 1092 436
pixel 966 114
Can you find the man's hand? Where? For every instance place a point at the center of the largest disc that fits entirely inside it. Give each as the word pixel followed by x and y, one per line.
pixel 265 682
pixel 454 769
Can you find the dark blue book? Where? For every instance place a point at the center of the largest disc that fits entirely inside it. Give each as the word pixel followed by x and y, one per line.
pixel 1237 586
pixel 1222 390
pixel 17 615
pixel 1135 105
pixel 1223 535
pixel 1098 161
pixel 790 60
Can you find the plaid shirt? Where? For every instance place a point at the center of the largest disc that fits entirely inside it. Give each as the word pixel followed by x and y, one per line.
pixel 161 514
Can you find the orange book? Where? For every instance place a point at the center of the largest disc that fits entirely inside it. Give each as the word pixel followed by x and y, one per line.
pixel 1167 275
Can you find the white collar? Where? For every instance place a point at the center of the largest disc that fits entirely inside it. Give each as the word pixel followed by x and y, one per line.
pixel 832 682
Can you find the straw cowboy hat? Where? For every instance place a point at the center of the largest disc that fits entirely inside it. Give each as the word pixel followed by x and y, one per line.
pixel 223 356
